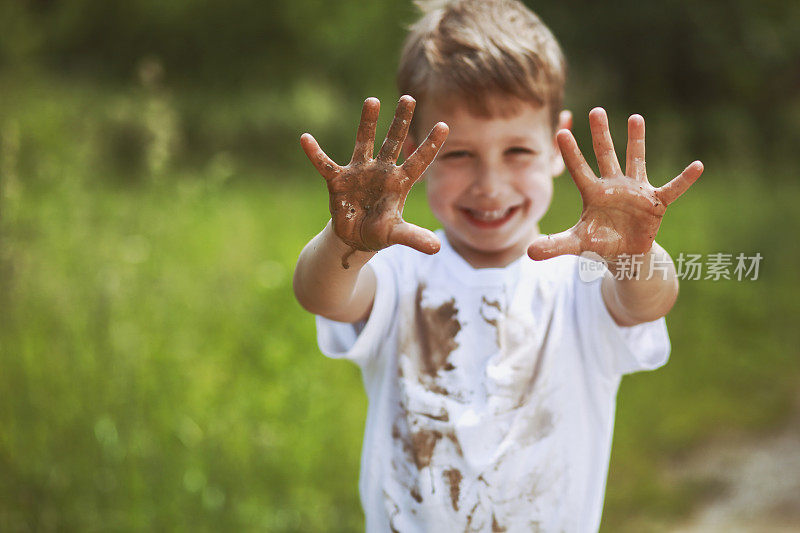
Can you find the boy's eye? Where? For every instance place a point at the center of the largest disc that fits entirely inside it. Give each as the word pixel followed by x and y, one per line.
pixel 517 150
pixel 455 154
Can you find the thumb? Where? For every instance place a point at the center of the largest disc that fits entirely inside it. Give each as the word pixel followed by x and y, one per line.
pixel 420 239
pixel 549 246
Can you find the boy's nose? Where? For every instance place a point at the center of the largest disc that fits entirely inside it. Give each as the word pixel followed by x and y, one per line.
pixel 487 184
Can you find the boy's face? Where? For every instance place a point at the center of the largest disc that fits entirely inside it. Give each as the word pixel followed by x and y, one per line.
pixel 491 182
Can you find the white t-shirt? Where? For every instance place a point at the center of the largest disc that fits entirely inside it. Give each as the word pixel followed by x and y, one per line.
pixel 491 392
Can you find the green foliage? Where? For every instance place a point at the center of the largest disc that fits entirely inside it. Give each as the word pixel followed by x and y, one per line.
pixel 725 72
pixel 156 371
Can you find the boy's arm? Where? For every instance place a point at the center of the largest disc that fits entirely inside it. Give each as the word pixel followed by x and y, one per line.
pixel 324 288
pixel 640 291
pixel 621 216
pixel 367 197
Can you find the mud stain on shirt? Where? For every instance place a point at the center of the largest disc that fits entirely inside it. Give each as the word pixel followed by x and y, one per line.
pixel 422 444
pixel 491 303
pixel 443 417
pixel 496 527
pixel 541 425
pixel 405 441
pixel 393 510
pixel 437 328
pixel 453 477
pixel 471 515
pixel 419 445
pixel 452 436
pixel 494 322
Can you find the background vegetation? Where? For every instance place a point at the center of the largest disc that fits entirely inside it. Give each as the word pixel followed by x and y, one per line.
pixel 155 370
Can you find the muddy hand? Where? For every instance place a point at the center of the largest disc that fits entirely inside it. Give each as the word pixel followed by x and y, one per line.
pixel 367 195
pixel 621 212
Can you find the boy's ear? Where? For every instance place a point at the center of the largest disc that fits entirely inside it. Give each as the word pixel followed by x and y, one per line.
pixel 564 123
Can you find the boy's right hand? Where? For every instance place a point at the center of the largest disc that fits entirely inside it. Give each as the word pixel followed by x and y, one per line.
pixel 367 195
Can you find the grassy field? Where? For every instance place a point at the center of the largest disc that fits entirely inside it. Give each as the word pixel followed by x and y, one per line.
pixel 156 372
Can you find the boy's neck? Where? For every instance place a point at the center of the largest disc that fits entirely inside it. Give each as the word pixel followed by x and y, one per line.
pixel 477 258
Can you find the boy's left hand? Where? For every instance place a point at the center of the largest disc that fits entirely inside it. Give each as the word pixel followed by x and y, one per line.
pixel 621 212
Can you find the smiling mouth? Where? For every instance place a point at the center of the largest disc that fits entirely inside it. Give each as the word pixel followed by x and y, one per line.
pixel 489 219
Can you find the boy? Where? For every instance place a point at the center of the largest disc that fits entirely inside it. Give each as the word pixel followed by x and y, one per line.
pixel 491 378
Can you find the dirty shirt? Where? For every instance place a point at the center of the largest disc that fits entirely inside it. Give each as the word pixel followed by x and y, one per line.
pixel 491 392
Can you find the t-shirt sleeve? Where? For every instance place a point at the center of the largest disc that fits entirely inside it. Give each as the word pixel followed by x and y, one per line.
pixel 617 349
pixel 359 341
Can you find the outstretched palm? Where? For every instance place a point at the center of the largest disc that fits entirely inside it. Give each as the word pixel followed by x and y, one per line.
pixel 621 212
pixel 367 195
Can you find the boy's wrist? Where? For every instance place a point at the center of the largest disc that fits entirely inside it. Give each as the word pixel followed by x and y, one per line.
pixel 640 288
pixel 629 266
pixel 350 256
pixel 655 263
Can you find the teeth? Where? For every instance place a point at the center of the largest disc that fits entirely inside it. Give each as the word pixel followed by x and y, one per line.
pixel 489 215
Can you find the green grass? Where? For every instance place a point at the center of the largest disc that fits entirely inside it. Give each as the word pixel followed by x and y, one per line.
pixel 156 372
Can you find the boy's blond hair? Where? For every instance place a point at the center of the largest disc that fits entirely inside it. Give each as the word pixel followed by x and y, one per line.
pixel 474 51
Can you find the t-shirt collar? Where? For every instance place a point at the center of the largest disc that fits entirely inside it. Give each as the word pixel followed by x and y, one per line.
pixel 484 277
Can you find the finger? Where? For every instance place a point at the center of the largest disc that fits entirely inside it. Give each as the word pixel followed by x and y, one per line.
pixel 390 150
pixel 603 145
pixel 365 137
pixel 578 167
pixel 548 246
pixel 634 160
pixel 565 119
pixel 319 159
pixel 672 190
pixel 417 162
pixel 417 238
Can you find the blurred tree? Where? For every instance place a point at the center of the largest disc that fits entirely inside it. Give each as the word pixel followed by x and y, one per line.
pixel 729 68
